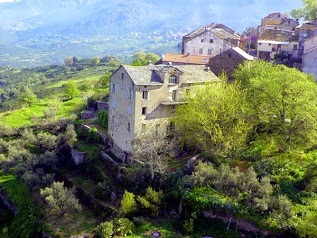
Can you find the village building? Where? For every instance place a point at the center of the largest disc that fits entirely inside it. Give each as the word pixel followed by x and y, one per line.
pixel 309 64
pixel 143 97
pixel 277 21
pixel 228 61
pixel 210 40
pixel 272 42
pixel 305 31
pixel 179 59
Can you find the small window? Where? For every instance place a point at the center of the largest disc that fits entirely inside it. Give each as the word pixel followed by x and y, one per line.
pixel 211 41
pixel 113 104
pixel 209 52
pixel 171 127
pixel 145 95
pixel 229 55
pixel 130 93
pixel 129 110
pixel 270 44
pixel 202 40
pixel 129 126
pixel 122 75
pixel 201 51
pixel 173 108
pixel 144 110
pixel 173 79
pixel 174 95
pixel 113 88
pixel 260 43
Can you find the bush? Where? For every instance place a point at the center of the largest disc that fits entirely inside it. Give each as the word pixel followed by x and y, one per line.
pixel 128 204
pixel 103 118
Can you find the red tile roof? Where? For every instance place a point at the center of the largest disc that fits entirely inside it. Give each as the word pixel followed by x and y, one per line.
pixel 186 59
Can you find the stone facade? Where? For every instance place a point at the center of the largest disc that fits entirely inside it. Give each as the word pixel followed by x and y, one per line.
pixel 310 57
pixel 209 40
pixel 143 97
pixel 228 61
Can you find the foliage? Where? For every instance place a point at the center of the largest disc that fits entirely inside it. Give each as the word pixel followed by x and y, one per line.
pixel 141 58
pixel 105 79
pixel 103 118
pixel 106 229
pixel 70 134
pixel 28 220
pixel 124 227
pixel 308 11
pixel 60 198
pixel 71 89
pixel 27 97
pixel 151 200
pixel 282 102
pixel 128 204
pixel 214 120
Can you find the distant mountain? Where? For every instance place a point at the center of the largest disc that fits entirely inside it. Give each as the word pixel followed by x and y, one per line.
pixel 51 24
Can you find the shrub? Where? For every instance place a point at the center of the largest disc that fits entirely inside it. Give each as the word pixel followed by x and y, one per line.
pixel 128 204
pixel 103 118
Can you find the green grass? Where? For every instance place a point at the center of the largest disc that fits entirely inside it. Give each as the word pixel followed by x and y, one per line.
pixel 25 116
pixel 146 229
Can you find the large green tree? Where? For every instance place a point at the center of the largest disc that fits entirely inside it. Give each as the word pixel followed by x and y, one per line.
pixel 214 120
pixel 141 58
pixel 308 11
pixel 283 102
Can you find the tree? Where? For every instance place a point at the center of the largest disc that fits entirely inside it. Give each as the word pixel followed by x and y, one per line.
pixel 283 103
pixel 104 80
pixel 141 58
pixel 214 121
pixel 95 61
pixel 128 203
pixel 308 11
pixel 151 200
pixel 106 229
pixel 103 118
pixel 28 97
pixel 71 89
pixel 152 148
pixel 61 199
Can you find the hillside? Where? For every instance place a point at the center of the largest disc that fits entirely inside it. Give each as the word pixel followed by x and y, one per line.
pixel 34 32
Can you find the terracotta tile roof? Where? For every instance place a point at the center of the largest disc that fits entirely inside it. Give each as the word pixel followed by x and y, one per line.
pixel 278 35
pixel 148 75
pixel 186 59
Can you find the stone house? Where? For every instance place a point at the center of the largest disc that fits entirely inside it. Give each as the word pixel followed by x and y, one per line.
pixel 274 41
pixel 305 31
pixel 277 21
pixel 144 97
pixel 228 61
pixel 179 59
pixel 309 63
pixel 210 40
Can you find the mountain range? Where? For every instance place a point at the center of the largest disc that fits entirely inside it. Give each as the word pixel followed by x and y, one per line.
pixel 37 27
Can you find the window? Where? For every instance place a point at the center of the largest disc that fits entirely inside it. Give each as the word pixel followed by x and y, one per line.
pixel 130 93
pixel 174 95
pixel 129 126
pixel 113 104
pixel 173 79
pixel 270 44
pixel 171 127
pixel 157 128
pixel 144 110
pixel 113 88
pixel 211 41
pixel 145 95
pixel 229 55
pixel 122 75
pixel 260 43
pixel 209 51
pixel 201 51
pixel 129 110
pixel 173 108
pixel 202 40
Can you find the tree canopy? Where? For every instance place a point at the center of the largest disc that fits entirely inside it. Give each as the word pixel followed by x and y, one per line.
pixel 214 120
pixel 141 58
pixel 308 11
